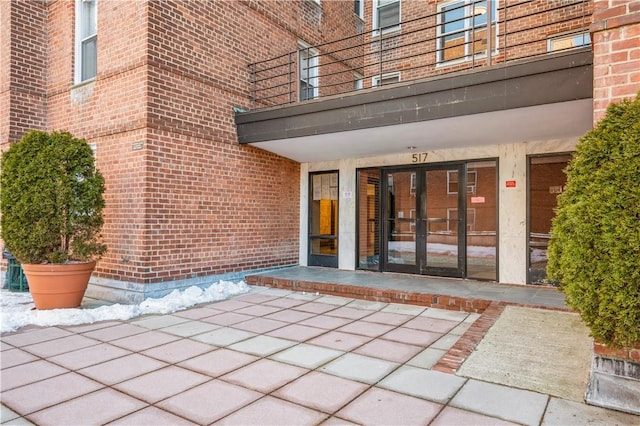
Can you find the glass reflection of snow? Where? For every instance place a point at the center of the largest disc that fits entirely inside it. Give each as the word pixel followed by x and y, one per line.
pixel 402 252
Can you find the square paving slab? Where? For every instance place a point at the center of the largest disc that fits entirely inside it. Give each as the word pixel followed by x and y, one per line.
pixel 210 401
pixel 273 411
pixel 307 356
pixel 262 345
pixel 98 407
pixel 152 416
pixel 428 384
pixel 383 407
pixel 360 368
pixel 160 384
pixel 517 405
pixel 321 391
pixel 218 362
pixel 265 375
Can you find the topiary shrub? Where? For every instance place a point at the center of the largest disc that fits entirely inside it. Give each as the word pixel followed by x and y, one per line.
pixel 595 239
pixel 51 199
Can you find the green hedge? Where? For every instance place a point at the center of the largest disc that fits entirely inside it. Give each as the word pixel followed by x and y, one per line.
pixel 51 198
pixel 595 239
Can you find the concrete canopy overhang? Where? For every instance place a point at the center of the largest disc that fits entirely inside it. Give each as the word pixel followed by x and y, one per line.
pixel 542 99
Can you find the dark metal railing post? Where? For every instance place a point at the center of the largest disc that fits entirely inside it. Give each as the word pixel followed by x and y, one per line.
pixel 308 72
pixel 504 38
pixel 489 24
pixel 473 34
pixel 254 90
pixel 291 81
pixel 380 48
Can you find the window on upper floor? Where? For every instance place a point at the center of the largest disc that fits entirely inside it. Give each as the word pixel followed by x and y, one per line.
pixel 384 79
pixel 462 29
pixel 358 8
pixel 308 71
pixel 358 81
pixel 86 39
pixel 386 15
pixel 568 41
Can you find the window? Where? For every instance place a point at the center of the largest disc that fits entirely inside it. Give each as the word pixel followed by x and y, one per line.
pixel 389 78
pixel 86 52
pixel 452 219
pixel 358 8
pixel 462 29
pixel 358 81
pixel 386 15
pixel 308 72
pixel 412 186
pixel 323 223
pixel 452 182
pixel 412 223
pixel 568 41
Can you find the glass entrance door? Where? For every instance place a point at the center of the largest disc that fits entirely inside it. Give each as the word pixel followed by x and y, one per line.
pixel 401 221
pixel 445 226
pixel 422 228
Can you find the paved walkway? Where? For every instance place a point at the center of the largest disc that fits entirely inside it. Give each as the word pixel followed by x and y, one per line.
pixel 267 357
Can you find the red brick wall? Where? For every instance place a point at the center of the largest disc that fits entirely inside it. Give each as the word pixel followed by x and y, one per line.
pixel 615 36
pixel 184 199
pixel 111 113
pixel 23 72
pixel 213 206
pixel 275 29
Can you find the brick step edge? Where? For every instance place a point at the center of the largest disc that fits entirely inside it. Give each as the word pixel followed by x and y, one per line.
pixel 374 294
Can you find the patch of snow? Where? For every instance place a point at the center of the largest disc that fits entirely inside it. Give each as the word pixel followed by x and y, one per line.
pixel 17 308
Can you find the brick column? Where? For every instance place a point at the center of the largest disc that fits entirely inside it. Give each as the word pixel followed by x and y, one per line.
pixel 23 60
pixel 615 36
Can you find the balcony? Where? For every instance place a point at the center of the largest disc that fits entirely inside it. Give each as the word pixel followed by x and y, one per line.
pixel 531 64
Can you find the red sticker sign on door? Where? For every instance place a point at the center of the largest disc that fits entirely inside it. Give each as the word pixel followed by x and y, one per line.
pixel 511 184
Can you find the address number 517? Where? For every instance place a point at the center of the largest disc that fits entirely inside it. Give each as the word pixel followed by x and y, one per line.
pixel 419 157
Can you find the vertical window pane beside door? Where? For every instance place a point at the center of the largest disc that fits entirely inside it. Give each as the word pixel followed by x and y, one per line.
pixel 369 219
pixel 86 40
pixel 482 222
pixel 324 214
pixel 546 181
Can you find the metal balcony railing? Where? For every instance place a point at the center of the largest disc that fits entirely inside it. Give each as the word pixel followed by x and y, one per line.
pixel 452 38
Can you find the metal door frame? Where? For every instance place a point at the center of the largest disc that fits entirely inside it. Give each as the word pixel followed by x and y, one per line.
pixel 421 221
pixel 326 260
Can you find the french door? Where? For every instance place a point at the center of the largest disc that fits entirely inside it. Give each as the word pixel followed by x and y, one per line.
pixel 423 229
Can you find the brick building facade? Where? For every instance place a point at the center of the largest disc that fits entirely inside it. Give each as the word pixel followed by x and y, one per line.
pixel 186 203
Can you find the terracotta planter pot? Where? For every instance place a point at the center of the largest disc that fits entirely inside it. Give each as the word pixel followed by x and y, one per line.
pixel 55 286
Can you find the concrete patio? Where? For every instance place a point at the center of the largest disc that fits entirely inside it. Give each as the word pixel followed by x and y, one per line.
pixel 267 357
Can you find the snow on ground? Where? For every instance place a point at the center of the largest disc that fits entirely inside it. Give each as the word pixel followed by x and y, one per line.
pixel 17 308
